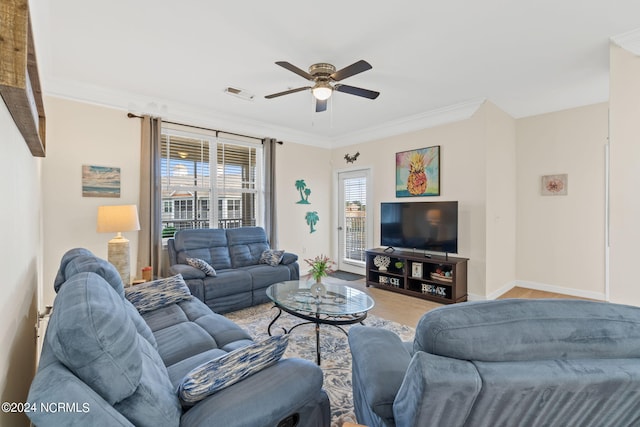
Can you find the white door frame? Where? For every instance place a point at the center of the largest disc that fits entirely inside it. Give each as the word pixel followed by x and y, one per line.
pixel 338 217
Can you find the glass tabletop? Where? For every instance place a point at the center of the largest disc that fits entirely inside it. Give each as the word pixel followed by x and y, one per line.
pixel 340 300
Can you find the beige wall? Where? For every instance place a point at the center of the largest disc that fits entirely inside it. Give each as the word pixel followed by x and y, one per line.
pixel 625 176
pixel 84 134
pixel 312 164
pixel 560 239
pixel 500 190
pixel 463 175
pixel 20 263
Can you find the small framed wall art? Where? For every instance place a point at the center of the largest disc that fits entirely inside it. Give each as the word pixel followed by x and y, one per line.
pixel 418 172
pixel 555 185
pixel 100 181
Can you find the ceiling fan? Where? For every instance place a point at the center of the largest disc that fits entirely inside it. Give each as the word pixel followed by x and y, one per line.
pixel 323 75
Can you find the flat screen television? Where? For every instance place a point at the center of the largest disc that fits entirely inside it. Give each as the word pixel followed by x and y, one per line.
pixel 427 226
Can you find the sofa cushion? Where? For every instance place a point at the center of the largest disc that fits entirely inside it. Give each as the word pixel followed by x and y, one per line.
pixel 227 370
pixel 244 255
pixel 289 258
pixel 182 341
pixel 208 244
pixel 92 335
pixel 271 257
pixel 201 265
pixel 246 245
pixel 61 277
pixel 512 330
pixel 188 272
pixel 141 326
pixel 82 263
pixel 263 275
pixel 154 402
pixel 227 282
pixel 156 294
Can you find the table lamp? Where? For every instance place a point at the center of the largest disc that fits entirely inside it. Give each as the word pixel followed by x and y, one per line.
pixel 118 219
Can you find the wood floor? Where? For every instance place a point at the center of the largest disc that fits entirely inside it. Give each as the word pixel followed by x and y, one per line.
pixel 407 310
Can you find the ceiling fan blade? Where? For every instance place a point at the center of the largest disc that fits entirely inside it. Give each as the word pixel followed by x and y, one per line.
pixel 287 92
pixel 351 70
pixel 321 105
pixel 352 90
pixel 294 69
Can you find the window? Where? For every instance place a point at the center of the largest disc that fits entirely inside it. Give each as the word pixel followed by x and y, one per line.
pixel 201 171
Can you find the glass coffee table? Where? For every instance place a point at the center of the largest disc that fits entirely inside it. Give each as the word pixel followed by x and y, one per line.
pixel 341 305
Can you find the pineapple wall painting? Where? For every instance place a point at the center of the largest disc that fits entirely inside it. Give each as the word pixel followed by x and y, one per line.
pixel 418 172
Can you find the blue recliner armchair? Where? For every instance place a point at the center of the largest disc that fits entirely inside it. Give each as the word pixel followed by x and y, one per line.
pixel 503 363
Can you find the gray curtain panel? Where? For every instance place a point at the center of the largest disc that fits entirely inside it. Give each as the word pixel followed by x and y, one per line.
pixel 150 234
pixel 270 220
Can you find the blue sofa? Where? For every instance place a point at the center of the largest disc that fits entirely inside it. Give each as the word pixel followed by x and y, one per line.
pixel 241 280
pixel 104 364
pixel 503 363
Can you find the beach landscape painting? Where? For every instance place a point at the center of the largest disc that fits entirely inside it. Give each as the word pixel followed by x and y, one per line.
pixel 100 181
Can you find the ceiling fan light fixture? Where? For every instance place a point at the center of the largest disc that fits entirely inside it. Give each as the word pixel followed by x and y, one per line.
pixel 322 91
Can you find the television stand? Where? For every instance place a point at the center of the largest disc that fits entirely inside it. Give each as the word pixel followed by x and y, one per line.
pixel 432 277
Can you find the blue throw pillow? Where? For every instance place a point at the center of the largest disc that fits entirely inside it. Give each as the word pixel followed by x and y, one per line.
pixel 152 295
pixel 201 265
pixel 271 257
pixel 226 370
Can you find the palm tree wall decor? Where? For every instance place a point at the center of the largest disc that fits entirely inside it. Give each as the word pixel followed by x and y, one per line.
pixel 301 186
pixel 312 219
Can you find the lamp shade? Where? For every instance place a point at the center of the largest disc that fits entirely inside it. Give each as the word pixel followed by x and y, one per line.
pixel 117 219
pixel 322 91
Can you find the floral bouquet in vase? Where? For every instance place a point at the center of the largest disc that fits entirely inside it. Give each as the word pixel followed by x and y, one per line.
pixel 321 266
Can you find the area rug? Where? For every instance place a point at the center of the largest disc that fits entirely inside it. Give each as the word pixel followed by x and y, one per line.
pixel 335 354
pixel 345 275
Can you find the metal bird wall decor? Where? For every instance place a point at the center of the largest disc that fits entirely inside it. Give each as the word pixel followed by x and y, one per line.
pixel 351 159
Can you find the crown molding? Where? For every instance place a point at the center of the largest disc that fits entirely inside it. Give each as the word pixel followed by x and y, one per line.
pixel 173 111
pixel 428 119
pixel 629 41
pixel 207 117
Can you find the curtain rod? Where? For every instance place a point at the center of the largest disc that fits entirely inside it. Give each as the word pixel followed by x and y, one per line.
pixel 131 116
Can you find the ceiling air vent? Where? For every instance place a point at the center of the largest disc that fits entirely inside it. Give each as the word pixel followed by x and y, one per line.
pixel 240 93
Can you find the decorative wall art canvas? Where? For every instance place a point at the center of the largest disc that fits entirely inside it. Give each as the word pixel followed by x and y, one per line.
pixel 418 172
pixel 555 185
pixel 100 181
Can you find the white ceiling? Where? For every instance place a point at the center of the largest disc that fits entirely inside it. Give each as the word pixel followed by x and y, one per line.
pixel 432 61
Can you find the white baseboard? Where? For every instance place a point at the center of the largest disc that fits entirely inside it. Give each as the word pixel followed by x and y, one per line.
pixel 600 296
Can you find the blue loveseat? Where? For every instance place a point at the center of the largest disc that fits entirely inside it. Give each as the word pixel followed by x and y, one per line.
pixel 503 363
pixel 109 365
pixel 240 279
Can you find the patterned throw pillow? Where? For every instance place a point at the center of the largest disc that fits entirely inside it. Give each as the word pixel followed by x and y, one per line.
pixel 201 265
pixel 271 257
pixel 152 295
pixel 226 370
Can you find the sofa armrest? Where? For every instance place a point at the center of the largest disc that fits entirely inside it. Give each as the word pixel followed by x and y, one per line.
pixel 264 399
pixel 187 271
pixel 288 258
pixel 429 386
pixel 379 362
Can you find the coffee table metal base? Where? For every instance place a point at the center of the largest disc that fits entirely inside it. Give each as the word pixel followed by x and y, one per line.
pixel 317 320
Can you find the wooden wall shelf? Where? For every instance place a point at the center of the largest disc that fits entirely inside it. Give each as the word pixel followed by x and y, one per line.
pixel 19 81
